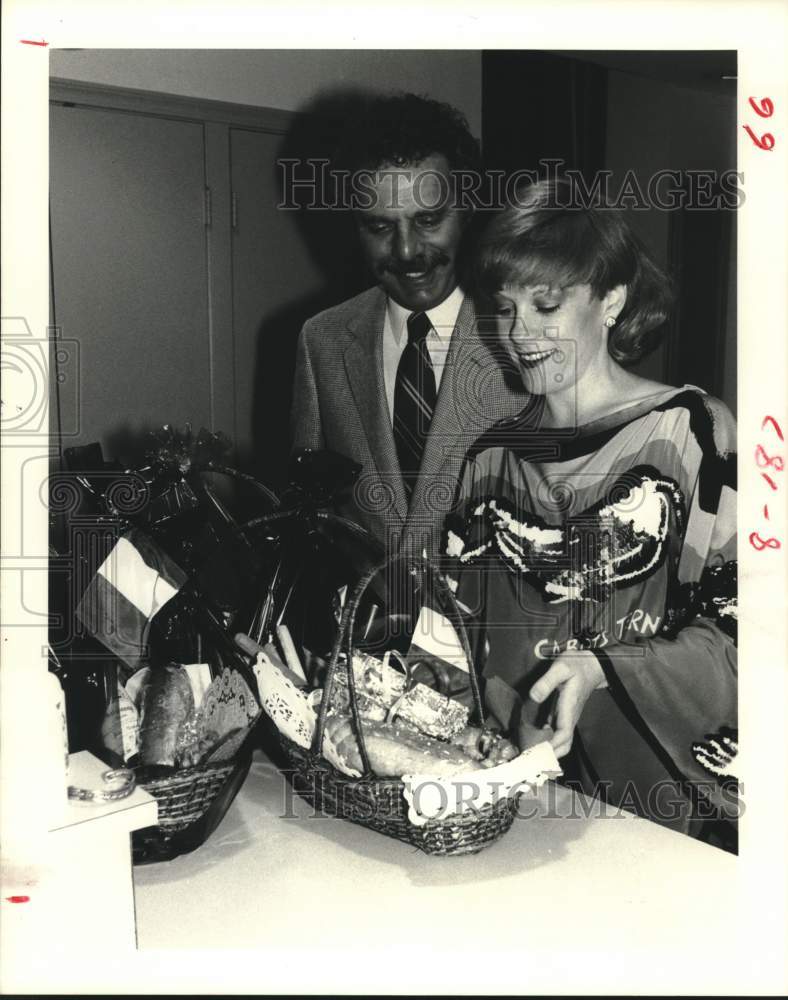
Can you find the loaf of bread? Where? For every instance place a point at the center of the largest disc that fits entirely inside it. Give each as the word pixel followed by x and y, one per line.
pixel 166 704
pixel 396 749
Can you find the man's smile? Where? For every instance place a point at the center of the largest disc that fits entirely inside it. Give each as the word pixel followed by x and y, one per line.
pixel 418 277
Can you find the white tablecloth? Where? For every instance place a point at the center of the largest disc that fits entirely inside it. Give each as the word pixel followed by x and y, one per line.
pixel 323 901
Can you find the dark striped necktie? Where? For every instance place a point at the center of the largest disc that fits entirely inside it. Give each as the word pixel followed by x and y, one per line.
pixel 414 399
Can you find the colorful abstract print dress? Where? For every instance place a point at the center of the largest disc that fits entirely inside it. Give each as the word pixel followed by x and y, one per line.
pixel 618 537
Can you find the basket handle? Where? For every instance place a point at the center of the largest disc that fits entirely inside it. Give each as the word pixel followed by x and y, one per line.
pixel 225 644
pixel 345 636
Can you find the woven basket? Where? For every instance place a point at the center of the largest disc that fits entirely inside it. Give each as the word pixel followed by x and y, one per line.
pixel 191 804
pixel 193 801
pixel 379 803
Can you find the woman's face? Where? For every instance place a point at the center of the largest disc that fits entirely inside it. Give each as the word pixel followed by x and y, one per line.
pixel 554 336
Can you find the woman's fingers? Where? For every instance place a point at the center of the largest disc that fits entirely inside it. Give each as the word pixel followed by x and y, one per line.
pixel 567 716
pixel 575 676
pixel 556 677
pixel 557 674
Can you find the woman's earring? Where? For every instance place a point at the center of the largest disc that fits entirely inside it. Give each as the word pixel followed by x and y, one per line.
pixel 610 322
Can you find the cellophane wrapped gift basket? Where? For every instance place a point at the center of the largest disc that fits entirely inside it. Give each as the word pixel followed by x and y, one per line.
pixel 156 684
pixel 186 731
pixel 180 700
pixel 378 747
pixel 183 727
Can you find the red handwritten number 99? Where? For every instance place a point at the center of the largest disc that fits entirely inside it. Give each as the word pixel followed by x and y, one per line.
pixel 764 109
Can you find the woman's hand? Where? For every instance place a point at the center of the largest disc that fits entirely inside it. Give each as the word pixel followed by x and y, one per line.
pixel 574 675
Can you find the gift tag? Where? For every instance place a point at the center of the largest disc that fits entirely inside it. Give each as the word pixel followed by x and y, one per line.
pixel 200 679
pixel 436 635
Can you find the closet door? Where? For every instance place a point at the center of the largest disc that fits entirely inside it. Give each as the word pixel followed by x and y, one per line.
pixel 129 271
pixel 277 285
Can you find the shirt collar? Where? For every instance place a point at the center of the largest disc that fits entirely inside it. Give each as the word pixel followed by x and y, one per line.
pixel 443 317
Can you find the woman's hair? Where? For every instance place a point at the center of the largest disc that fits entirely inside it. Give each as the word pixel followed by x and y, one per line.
pixel 541 238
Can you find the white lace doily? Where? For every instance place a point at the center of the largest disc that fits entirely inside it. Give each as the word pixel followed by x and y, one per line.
pixel 227 704
pixel 291 712
pixel 284 704
pixel 430 797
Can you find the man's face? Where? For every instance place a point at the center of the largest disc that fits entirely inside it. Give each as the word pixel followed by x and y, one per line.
pixel 411 235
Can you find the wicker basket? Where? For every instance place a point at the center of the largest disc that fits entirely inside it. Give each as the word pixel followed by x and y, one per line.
pixel 378 803
pixel 191 804
pixel 193 801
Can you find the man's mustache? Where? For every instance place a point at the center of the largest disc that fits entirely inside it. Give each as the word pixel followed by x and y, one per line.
pixel 421 263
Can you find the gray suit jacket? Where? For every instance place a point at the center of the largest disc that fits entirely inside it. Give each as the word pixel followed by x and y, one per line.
pixel 339 403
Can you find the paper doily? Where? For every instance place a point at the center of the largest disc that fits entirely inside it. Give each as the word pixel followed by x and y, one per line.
pixel 292 714
pixel 430 797
pixel 228 704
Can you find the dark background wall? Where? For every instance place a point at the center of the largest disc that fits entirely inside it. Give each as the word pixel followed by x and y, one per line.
pixel 640 112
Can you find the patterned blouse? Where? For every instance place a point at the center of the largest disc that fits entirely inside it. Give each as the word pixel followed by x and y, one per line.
pixel 618 537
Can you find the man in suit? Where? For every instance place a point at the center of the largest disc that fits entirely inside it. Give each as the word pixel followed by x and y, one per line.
pixel 400 378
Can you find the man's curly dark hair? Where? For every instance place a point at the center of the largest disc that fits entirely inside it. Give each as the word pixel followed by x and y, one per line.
pixel 401 129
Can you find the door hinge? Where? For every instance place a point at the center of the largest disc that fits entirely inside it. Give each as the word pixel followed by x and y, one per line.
pixel 233 211
pixel 207 211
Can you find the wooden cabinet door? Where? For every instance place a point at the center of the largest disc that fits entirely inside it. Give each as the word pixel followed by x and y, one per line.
pixel 129 271
pixel 277 285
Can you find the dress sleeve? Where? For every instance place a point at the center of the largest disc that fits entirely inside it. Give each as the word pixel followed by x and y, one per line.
pixel 680 687
pixel 678 692
pixel 455 539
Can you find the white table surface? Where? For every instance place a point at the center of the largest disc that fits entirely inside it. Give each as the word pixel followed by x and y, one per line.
pixel 309 889
pixel 131 813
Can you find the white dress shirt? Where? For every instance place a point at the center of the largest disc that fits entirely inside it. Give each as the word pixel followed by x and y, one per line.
pixel 395 338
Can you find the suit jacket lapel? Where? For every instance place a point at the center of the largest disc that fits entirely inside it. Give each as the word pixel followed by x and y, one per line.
pixel 460 417
pixel 364 366
pixel 446 428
